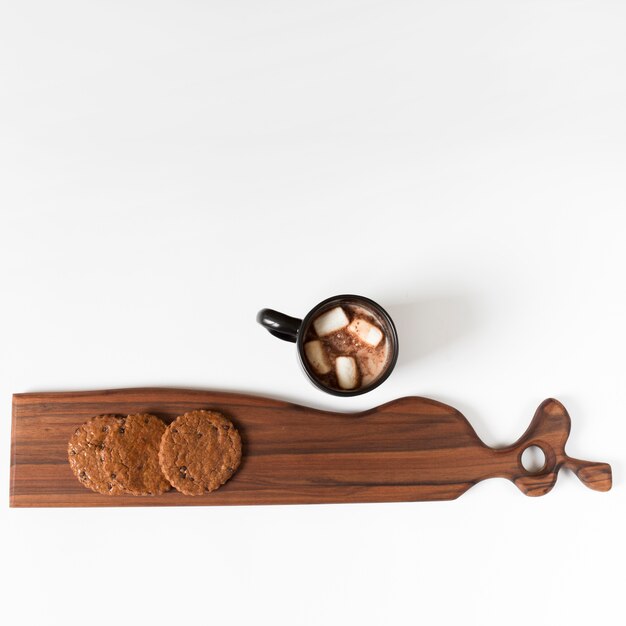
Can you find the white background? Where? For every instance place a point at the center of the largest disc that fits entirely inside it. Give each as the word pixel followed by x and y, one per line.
pixel 167 169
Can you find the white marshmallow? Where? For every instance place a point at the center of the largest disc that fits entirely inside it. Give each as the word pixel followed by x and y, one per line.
pixel 347 373
pixel 317 357
pixel 366 332
pixel 371 365
pixel 331 321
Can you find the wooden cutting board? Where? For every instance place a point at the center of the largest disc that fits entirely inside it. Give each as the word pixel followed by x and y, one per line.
pixel 409 449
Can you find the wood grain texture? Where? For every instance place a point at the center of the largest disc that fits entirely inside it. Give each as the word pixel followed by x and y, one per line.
pixel 407 450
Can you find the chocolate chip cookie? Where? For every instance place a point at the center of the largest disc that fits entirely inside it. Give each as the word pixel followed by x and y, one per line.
pixel 200 451
pixel 130 455
pixel 84 452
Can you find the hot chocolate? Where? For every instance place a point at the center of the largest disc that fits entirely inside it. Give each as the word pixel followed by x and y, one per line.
pixel 347 346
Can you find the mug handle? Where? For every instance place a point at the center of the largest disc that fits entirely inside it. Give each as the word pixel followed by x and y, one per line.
pixel 278 324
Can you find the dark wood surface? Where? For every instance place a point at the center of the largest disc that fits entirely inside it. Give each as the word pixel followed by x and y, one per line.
pixel 409 449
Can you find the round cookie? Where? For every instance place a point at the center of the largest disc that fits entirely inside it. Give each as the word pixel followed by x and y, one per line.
pixel 84 453
pixel 200 451
pixel 130 455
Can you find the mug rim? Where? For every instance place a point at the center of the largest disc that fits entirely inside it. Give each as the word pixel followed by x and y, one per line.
pixel 348 392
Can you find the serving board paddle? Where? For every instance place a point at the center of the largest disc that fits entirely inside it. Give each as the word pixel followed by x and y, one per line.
pixel 406 450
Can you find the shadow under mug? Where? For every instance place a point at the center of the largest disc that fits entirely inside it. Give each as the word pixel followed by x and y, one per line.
pixel 295 330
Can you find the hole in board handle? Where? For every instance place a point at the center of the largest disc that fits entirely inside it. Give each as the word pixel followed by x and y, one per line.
pixel 533 459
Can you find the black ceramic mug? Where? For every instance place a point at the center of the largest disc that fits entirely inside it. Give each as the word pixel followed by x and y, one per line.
pixel 301 331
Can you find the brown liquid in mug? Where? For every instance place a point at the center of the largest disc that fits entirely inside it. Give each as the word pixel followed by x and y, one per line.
pixel 371 361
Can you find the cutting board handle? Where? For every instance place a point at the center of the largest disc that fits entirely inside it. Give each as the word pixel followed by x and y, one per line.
pixel 549 430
